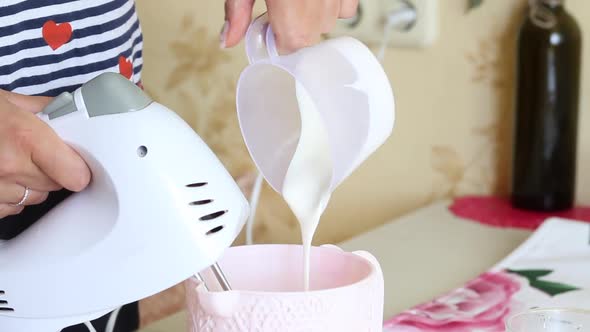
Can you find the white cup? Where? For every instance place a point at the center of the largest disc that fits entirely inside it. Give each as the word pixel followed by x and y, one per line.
pixel 346 292
pixel 550 320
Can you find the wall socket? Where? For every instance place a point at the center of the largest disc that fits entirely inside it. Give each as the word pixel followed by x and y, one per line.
pixel 368 25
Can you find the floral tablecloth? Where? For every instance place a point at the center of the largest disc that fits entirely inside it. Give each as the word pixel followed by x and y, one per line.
pixel 551 269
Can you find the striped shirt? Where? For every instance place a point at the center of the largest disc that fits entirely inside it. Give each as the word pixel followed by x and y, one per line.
pixel 51 46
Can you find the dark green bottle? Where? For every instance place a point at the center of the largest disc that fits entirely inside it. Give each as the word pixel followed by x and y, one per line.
pixel 546 114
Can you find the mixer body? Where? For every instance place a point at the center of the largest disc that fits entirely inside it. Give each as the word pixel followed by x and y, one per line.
pixel 160 207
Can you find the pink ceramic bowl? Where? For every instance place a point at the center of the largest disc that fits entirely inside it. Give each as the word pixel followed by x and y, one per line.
pixel 346 292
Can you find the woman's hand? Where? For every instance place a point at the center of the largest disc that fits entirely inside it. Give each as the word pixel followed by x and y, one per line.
pixel 33 156
pixel 295 23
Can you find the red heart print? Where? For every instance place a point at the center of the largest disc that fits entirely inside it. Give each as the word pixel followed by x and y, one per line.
pixel 125 67
pixel 56 35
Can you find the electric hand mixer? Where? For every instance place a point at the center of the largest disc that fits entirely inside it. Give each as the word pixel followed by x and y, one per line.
pixel 159 209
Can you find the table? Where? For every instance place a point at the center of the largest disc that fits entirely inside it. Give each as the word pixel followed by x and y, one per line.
pixel 423 255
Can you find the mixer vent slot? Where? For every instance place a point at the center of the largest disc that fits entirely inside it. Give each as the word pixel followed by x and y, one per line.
pixel 196 184
pixel 4 304
pixel 215 230
pixel 213 215
pixel 201 202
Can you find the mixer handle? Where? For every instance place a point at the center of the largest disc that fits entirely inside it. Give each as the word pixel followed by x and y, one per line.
pixel 69 114
pixel 66 114
pixel 106 94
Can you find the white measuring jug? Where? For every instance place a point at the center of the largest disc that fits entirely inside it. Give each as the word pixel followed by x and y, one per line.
pixel 342 78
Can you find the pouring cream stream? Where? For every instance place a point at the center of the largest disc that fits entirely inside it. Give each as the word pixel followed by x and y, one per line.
pixel 306 187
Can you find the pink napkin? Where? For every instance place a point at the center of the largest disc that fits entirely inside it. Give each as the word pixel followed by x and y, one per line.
pixel 497 211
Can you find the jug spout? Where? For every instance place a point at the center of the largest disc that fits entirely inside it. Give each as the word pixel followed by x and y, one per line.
pixel 220 304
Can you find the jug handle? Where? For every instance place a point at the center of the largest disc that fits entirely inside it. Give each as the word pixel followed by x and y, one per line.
pixel 260 41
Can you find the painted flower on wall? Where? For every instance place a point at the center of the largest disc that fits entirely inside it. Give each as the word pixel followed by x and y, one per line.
pixel 197 55
pixel 472 4
pixel 483 169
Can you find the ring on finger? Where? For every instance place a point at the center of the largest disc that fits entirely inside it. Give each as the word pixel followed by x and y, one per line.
pixel 24 199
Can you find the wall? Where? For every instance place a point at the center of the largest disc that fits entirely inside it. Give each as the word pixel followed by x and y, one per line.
pixel 454 99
